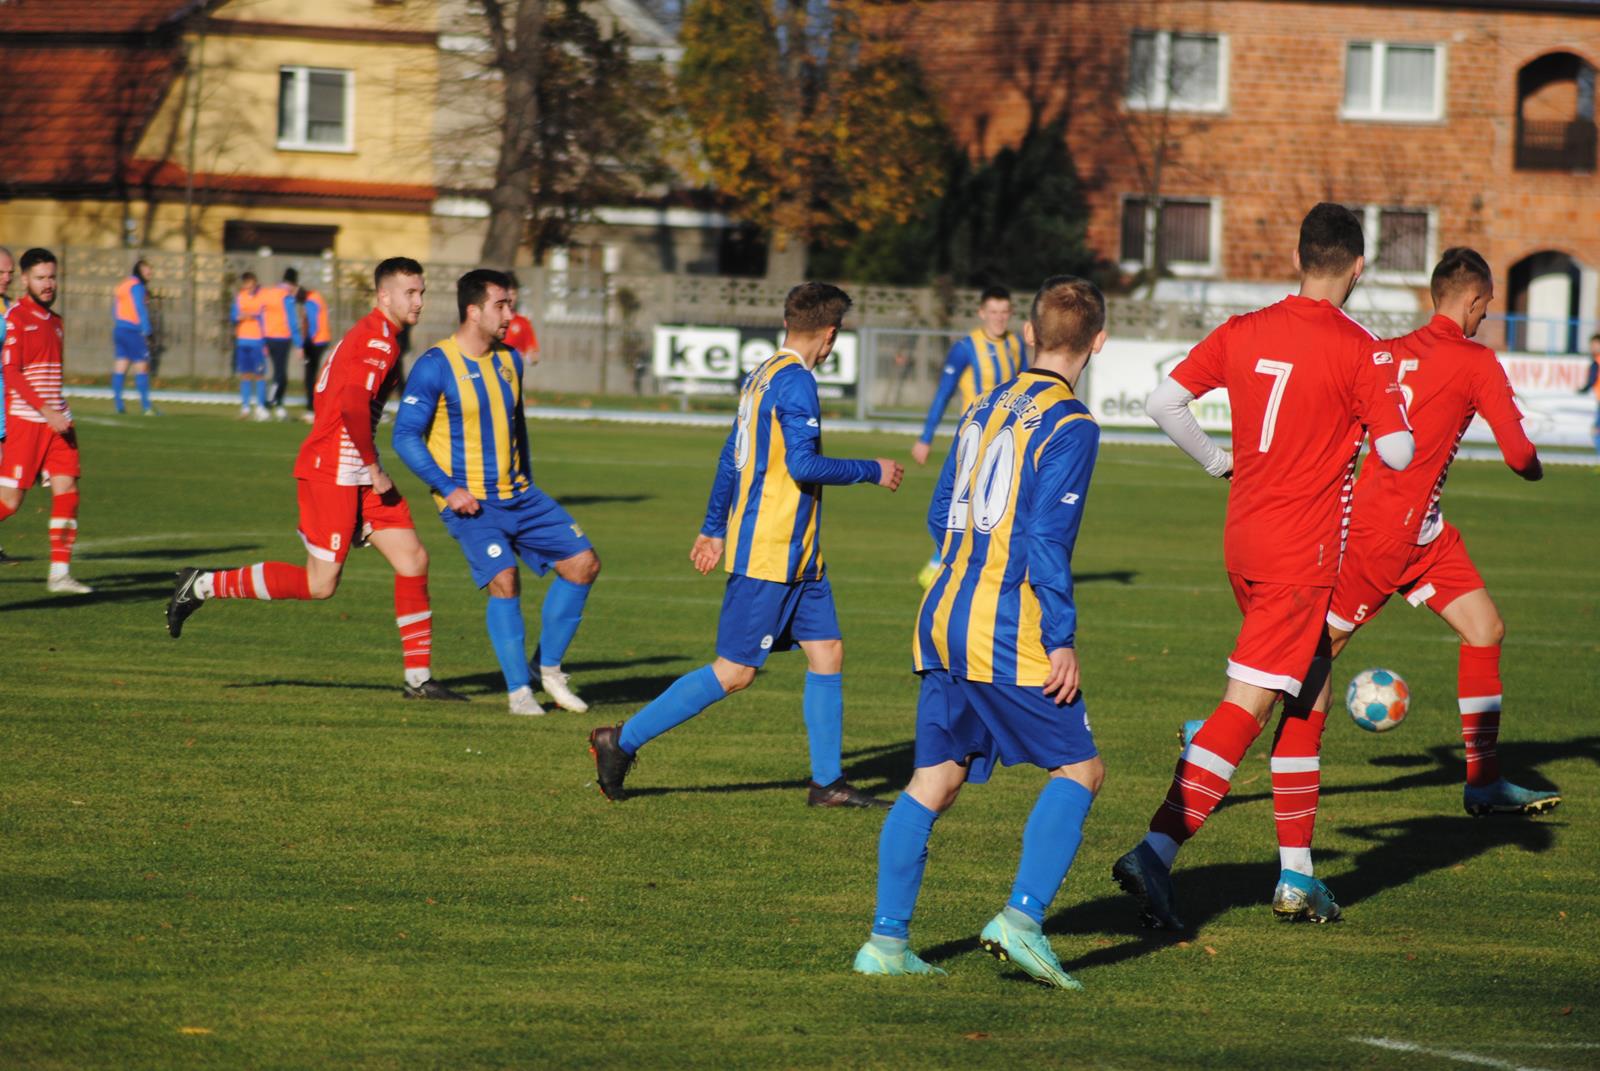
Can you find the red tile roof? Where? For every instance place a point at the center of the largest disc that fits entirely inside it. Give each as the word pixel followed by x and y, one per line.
pixel 100 17
pixel 165 175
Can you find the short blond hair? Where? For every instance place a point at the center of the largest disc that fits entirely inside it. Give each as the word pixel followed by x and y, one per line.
pixel 1067 314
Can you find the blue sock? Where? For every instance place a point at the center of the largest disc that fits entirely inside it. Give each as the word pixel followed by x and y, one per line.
pixel 688 696
pixel 244 393
pixel 823 706
pixel 509 637
pixel 559 618
pixel 261 393
pixel 117 379
pixel 142 381
pixel 902 857
pixel 1049 841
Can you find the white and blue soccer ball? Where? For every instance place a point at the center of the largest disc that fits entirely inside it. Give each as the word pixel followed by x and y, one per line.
pixel 1377 699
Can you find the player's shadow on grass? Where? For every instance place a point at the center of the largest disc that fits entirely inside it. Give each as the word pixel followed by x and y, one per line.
pixel 108 588
pixel 602 500
pixel 874 770
pixel 622 690
pixel 168 553
pixel 1112 576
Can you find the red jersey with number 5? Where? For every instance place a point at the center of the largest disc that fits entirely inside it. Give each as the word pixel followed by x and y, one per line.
pixel 354 383
pixel 1303 380
pixel 1446 378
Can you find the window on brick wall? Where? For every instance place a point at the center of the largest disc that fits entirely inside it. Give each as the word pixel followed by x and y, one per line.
pixel 1180 71
pixel 1400 242
pixel 1187 240
pixel 314 109
pixel 1393 81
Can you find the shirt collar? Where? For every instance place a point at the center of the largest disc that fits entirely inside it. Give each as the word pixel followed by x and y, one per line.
pixel 1446 326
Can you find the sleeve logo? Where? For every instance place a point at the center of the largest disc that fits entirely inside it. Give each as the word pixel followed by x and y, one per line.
pixel 1382 357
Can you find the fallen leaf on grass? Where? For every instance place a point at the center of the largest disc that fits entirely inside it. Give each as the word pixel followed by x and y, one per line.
pixel 1104 942
pixel 430 901
pixel 1459 867
pixel 1567 1010
pixel 976 1035
pixel 1410 956
pixel 1561 914
pixel 580 899
pixel 1210 951
pixel 193 1030
pixel 1183 944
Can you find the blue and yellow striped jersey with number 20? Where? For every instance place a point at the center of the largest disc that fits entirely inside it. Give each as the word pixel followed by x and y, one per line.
pixel 1008 506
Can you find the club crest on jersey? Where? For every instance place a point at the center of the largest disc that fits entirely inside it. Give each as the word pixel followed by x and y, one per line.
pixel 505 373
pixel 1382 357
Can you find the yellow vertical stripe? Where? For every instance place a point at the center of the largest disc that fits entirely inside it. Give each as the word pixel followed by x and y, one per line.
pixel 471 417
pixel 499 421
pixel 780 503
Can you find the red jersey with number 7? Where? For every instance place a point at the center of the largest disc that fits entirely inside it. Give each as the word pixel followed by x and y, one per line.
pixel 1303 381
pixel 354 384
pixel 1446 378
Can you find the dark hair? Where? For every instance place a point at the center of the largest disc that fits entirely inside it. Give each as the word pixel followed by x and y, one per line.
pixel 1595 337
pixel 140 263
pixel 994 293
pixel 515 284
pixel 394 266
pixel 248 276
pixel 1067 313
pixel 36 255
pixel 814 307
pixel 300 295
pixel 1458 267
pixel 291 276
pixel 1330 240
pixel 473 288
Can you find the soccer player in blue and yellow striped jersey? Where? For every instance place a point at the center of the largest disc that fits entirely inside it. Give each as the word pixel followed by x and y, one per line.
pixel 978 362
pixel 765 511
pixel 461 429
pixel 995 640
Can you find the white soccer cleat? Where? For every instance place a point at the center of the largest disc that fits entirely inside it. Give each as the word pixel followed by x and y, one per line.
pixel 260 415
pixel 555 684
pixel 522 702
pixel 66 585
pixel 244 412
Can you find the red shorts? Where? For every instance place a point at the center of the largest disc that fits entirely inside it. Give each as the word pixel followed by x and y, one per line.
pixel 335 517
pixel 32 450
pixel 1283 623
pixel 1376 566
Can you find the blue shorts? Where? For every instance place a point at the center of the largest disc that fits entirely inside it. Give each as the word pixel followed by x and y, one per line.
pixel 975 723
pixel 250 357
pixel 532 526
pixel 761 616
pixel 128 344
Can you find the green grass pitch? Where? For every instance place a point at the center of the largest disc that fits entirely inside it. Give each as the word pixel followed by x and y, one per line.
pixel 242 849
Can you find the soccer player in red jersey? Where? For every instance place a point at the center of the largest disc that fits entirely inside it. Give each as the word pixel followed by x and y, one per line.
pixel 520 335
pixel 40 439
pixel 346 499
pixel 1305 382
pixel 1400 542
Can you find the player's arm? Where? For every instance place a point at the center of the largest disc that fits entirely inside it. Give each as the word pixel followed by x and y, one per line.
pixel 355 401
pixel 939 505
pixel 292 314
pixel 1168 405
pixel 419 402
pixel 800 420
pixel 141 303
pixel 1496 402
pixel 13 362
pixel 1381 406
pixel 233 312
pixel 1060 487
pixel 955 362
pixel 313 320
pixel 709 543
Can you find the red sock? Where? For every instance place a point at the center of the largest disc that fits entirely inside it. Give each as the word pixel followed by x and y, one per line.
pixel 1296 784
pixel 264 580
pixel 1478 690
pixel 415 619
pixel 1205 770
pixel 63 526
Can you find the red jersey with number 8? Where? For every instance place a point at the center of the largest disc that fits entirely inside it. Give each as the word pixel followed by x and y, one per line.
pixel 1303 381
pixel 351 390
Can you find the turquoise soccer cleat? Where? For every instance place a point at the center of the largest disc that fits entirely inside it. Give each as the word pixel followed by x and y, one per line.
pixel 875 959
pixel 1503 797
pixel 1302 898
pixel 1187 731
pixel 1029 950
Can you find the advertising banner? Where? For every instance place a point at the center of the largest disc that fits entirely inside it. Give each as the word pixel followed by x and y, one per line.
pixel 1554 413
pixel 713 360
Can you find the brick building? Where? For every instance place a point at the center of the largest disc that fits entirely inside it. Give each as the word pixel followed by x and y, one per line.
pixel 1203 130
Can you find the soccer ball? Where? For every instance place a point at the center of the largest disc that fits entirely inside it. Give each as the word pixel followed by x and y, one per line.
pixel 1377 699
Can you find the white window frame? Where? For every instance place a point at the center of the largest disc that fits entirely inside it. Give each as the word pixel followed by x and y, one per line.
pixel 1376 114
pixel 1163 63
pixel 1184 270
pixel 1371 226
pixel 302 90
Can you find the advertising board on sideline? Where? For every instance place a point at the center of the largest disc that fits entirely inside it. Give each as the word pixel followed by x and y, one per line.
pixel 693 359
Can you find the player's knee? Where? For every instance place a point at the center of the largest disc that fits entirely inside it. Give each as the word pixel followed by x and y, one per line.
pixel 732 676
pixel 1490 633
pixel 1091 774
pixel 825 656
pixel 936 787
pixel 504 585
pixel 322 587
pixel 586 570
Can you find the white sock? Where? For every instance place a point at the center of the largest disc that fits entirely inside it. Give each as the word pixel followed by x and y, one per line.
pixel 1295 859
pixel 1165 847
pixel 525 690
pixel 417 677
pixel 58 569
pixel 203 587
pixel 549 669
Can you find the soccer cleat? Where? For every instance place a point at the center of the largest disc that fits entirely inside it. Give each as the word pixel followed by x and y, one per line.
pixel 1302 898
pixel 522 702
pixel 6 559
pixel 152 411
pixel 260 414
pixel 244 412
pixel 280 414
pixel 183 601
pixel 555 683
pixel 874 959
pixel 927 575
pixel 1503 797
pixel 1031 952
pixel 1187 731
pixel 66 585
pixel 432 689
pixel 840 794
pixel 1143 876
pixel 611 763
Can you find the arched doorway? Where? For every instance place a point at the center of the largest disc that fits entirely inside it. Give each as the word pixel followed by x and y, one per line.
pixel 1544 300
pixel 1555 114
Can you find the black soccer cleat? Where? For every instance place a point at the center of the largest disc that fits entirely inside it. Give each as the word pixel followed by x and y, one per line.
pixel 432 689
pixel 840 794
pixel 1142 875
pixel 183 601
pixel 611 763
pixel 6 559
